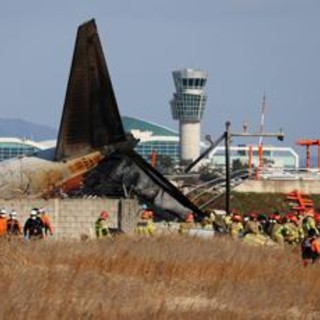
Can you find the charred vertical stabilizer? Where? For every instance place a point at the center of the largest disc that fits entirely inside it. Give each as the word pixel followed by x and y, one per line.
pixel 90 117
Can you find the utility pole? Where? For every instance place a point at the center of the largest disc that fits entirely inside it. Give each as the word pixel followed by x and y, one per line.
pixel 227 157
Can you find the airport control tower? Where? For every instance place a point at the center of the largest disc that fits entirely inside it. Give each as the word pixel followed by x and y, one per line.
pixel 187 106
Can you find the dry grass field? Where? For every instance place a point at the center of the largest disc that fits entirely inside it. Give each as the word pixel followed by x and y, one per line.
pixel 169 277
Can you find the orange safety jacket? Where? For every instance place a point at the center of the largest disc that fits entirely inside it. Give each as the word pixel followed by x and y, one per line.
pixel 315 246
pixel 3 227
pixel 47 223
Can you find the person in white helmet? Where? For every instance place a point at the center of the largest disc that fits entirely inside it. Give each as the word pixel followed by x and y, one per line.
pixel 14 227
pixel 33 228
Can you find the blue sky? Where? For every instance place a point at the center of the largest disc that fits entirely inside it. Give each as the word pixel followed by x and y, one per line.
pixel 248 47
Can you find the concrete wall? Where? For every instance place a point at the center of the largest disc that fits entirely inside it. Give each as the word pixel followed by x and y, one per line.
pixel 279 186
pixel 73 218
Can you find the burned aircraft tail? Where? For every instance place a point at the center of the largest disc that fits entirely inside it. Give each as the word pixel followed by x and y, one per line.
pixel 90 118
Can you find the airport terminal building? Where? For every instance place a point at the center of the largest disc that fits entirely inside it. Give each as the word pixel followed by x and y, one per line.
pixel 16 147
pixel 152 138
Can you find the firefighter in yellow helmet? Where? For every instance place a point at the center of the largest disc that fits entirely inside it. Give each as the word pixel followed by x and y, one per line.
pixel 145 225
pixel 187 224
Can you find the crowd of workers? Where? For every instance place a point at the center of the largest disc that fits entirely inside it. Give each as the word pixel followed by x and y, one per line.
pixel 297 228
pixel 36 227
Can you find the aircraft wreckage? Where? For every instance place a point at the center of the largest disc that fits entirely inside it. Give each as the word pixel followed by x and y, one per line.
pixel 93 150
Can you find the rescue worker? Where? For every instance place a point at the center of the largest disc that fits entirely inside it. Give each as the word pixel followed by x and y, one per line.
pixel 307 250
pixel 206 224
pixel 33 228
pixel 315 247
pixel 253 234
pixel 187 225
pixel 300 223
pixel 236 227
pixel 253 226
pixel 271 223
pixel 245 220
pixel 145 225
pixel 317 221
pixel 263 220
pixel 102 226
pixel 277 231
pixel 227 219
pixel 38 214
pixel 218 222
pixel 43 215
pixel 144 207
pixel 3 223
pixel 291 230
pixel 308 222
pixel 14 227
pixel 209 222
